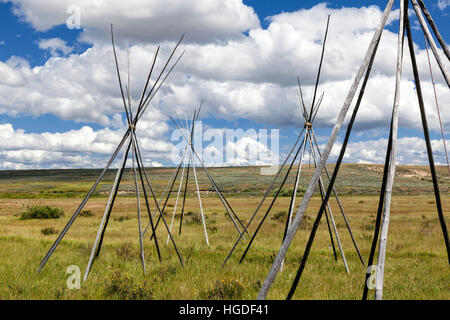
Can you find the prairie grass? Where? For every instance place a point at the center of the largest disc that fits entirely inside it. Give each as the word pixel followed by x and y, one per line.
pixel 416 262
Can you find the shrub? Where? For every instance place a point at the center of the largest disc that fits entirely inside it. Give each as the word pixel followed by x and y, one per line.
pixel 126 287
pixel 48 230
pixel 122 218
pixel 289 192
pixel 212 229
pixel 86 213
pixel 126 252
pixel 42 212
pixel 224 289
pixel 193 218
pixel 280 216
pixel 368 227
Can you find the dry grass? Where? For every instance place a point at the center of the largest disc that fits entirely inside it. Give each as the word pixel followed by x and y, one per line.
pixel 417 266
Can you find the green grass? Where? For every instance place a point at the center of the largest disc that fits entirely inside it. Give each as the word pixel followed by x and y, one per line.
pixel 416 262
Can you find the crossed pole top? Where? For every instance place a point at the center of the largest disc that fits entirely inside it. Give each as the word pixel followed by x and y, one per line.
pixel 147 93
pixel 190 138
pixel 146 97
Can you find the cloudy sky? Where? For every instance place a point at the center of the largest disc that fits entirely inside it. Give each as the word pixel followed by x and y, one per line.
pixel 60 103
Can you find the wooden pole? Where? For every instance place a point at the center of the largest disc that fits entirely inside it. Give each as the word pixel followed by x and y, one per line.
pixel 309 191
pixel 266 193
pixel 339 203
pixel 141 244
pixel 292 204
pixel 83 203
pixel 391 168
pixel 271 204
pixel 176 203
pixel 437 104
pixel 147 205
pixel 222 198
pixel 427 139
pixel 172 183
pixel 430 39
pixel 199 200
pixel 293 197
pixel 144 104
pixel 107 212
pixel 184 196
pixel 322 191
pixel 142 168
pixel 225 203
pixel 118 76
pixel 320 69
pixel 435 29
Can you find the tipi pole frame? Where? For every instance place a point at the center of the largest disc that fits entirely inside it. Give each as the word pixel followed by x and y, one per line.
pixel 103 223
pixel 266 193
pixel 427 139
pixel 167 196
pixel 131 127
pixel 225 203
pixel 430 39
pixel 272 203
pixel 222 198
pixel 308 194
pixel 313 138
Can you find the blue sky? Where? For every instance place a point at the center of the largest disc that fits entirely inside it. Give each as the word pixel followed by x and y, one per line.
pixel 252 96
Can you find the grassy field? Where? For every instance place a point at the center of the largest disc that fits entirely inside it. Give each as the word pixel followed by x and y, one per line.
pixel 417 266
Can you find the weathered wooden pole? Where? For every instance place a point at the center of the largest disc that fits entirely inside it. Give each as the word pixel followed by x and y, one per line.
pixel 435 29
pixel 326 152
pixel 333 223
pixel 430 39
pixel 347 223
pixel 271 204
pixel 437 104
pixel 176 203
pixel 107 212
pixel 379 277
pixel 200 201
pixel 83 203
pixel 142 169
pixel 184 196
pixel 141 243
pixel 427 139
pixel 266 193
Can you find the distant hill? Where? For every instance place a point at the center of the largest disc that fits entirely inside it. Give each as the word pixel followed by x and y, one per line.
pixel 353 179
